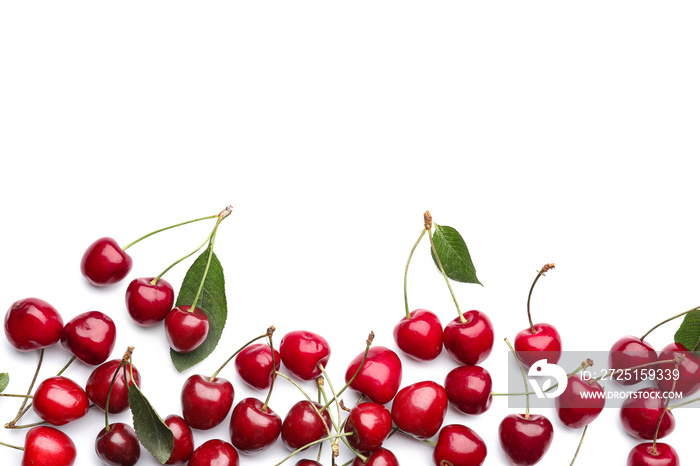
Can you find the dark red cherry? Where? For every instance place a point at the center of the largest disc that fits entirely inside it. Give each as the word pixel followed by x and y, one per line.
pixel 419 409
pixel 688 371
pixel 97 386
pixel 214 452
pixel 205 402
pixel 59 400
pixel 119 446
pixel 149 303
pixel 371 424
pixel 628 352
pixel 580 402
pixel 307 463
pixel 640 414
pixel 105 263
pixel 469 389
pixel 420 337
pixel 469 342
pixel 32 324
pixel 545 343
pixel 525 440
pixel 254 365
pixel 645 454
pixel 90 336
pixel 47 446
pixel 302 425
pixel 185 330
pixel 380 457
pixel 251 428
pixel 458 445
pixel 184 440
pixel 380 376
pixel 302 352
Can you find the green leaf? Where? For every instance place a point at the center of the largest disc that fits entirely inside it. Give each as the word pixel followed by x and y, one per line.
pixel 454 255
pixel 4 380
pixel 212 300
pixel 688 334
pixel 150 428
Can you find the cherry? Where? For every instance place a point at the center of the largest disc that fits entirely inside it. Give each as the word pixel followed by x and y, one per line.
pixel 90 336
pixel 253 426
pixel 214 452
pixel 149 303
pixel 645 454
pixel 186 330
pixel 118 446
pixel 205 402
pixel 458 445
pixel 469 389
pixel 58 401
pixel 47 446
pixel 380 376
pixel 543 342
pixel 302 425
pixel 105 263
pixel 640 414
pixel 580 402
pixel 184 440
pixel 688 371
pixel 469 341
pixel 419 409
pixel 419 336
pixel 97 386
pixel 371 424
pixel 630 351
pixel 379 457
pixel 525 438
pixel 307 463
pixel 32 324
pixel 302 352
pixel 254 365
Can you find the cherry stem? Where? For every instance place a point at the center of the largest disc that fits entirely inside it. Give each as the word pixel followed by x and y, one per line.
pixel 155 280
pixel 167 228
pixel 27 426
pixel 437 258
pixel 12 446
pixel 320 382
pixel 542 271
pixel 522 371
pixel 658 424
pixel 308 398
pixel 126 358
pixel 16 396
pixel 264 335
pixel 667 321
pixel 31 385
pixel 274 376
pixel 694 400
pixel 315 442
pixel 370 339
pixel 63 369
pixel 583 434
pixel 405 274
pixel 323 392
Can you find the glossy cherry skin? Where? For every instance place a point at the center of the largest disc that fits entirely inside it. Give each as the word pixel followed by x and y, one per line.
pixel 105 263
pixel 252 429
pixel 645 455
pixel 214 452
pixel 469 342
pixel 302 352
pixel 47 446
pixel 206 403
pixel 578 405
pixel 419 409
pixel 371 424
pixel 97 386
pixel 630 351
pixel 148 303
pixel 59 400
pixel 525 441
pixel 469 389
pixel 545 343
pixel 119 446
pixel 306 462
pixel 302 425
pixel 420 337
pixel 90 336
pixel 254 365
pixel 32 324
pixel 380 376
pixel 640 415
pixel 689 370
pixel 184 440
pixel 380 457
pixel 458 445
pixel 185 330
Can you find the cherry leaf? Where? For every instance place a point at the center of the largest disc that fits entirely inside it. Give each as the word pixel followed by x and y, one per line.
pixel 150 429
pixel 688 334
pixel 453 254
pixel 4 380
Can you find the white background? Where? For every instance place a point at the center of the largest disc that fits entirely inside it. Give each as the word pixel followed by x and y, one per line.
pixel 544 132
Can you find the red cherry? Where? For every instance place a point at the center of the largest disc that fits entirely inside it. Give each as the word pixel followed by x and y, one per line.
pixel 469 389
pixel 149 303
pixel 380 457
pixel 419 409
pixel 525 440
pixel 458 445
pixel 32 324
pixel 580 402
pixel 307 463
pixel 371 424
pixel 545 343
pixel 420 337
pixel 205 402
pixel 688 371
pixel 47 446
pixel 302 425
pixel 184 440
pixel 252 429
pixel 254 365
pixel 97 386
pixel 119 446
pixel 469 342
pixel 90 336
pixel 105 263
pixel 214 452
pixel 185 330
pixel 302 352
pixel 380 376
pixel 640 414
pixel 628 352
pixel 645 454
pixel 59 400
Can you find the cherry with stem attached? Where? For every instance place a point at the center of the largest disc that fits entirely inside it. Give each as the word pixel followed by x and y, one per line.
pixel 46 446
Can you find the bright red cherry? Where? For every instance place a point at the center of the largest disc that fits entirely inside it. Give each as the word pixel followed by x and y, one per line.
pixel 688 371
pixel 32 324
pixel 469 342
pixel 459 445
pixel 580 403
pixel 185 330
pixel 420 337
pixel 47 446
pixel 251 428
pixel 105 263
pixel 254 365
pixel 371 424
pixel 119 446
pixel 419 409
pixel 184 440
pixel 97 386
pixel 59 400
pixel 525 439
pixel 214 452
pixel 640 414
pixel 645 454
pixel 380 457
pixel 469 389
pixel 90 336
pixel 302 352
pixel 302 425
pixel 628 352
pixel 380 376
pixel 544 343
pixel 148 303
pixel 205 402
